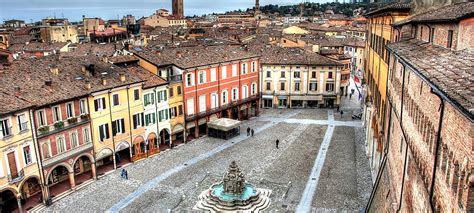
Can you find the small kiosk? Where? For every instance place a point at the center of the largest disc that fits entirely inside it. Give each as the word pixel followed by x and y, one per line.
pixel 224 128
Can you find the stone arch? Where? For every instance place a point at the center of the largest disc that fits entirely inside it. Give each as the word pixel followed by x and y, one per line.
pixel 455 182
pixel 88 155
pixel 103 153
pixel 177 127
pixel 9 195
pixel 23 182
pixel 30 187
pixel 68 167
pixel 11 189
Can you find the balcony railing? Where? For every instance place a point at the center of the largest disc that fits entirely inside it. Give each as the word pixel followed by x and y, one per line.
pixel 222 107
pixel 67 154
pixel 60 125
pixel 15 179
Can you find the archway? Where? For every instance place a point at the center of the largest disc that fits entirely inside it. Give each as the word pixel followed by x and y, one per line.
pixel 139 148
pixel 8 202
pixel 31 193
pixel 122 153
pixel 177 135
pixel 83 169
pixel 59 180
pixel 164 139
pixel 153 146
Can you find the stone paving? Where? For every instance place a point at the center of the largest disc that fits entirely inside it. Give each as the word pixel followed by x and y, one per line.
pixel 344 182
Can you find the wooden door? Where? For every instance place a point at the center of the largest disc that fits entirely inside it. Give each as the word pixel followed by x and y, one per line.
pixel 12 164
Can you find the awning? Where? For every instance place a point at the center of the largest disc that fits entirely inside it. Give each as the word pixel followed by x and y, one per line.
pixel 224 124
pixel 121 146
pixel 103 153
pixel 307 98
pixel 267 96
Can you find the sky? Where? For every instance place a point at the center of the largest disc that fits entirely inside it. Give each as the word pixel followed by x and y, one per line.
pixel 35 10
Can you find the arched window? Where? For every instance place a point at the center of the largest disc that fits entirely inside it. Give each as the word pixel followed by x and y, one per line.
pixel 224 97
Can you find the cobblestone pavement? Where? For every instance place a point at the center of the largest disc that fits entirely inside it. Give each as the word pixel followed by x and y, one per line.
pixel 344 181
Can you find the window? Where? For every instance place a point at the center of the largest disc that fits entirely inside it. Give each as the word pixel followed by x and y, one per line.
pixel 22 124
pixel 282 86
pixel 297 74
pixel 136 94
pixel 190 106
pixel 330 75
pixel 180 109
pixel 213 74
pixel 171 92
pixel 149 99
pixel 137 120
pixel 74 140
pixel 189 80
pixel 313 74
pixel 41 118
pixel 329 87
pixel 202 103
pixel 162 96
pixel 70 110
pixel 450 39
pixel 268 87
pixel 254 66
pixel 118 126
pixel 5 128
pixel 297 86
pixel 245 92
pixel 178 89
pixel 213 100
pixel 27 155
pixel 99 104
pixel 83 107
pixel 244 68
pixel 46 148
pixel 235 94
pixel 56 114
pixel 432 35
pixel 224 72
pixel 60 144
pixel 254 89
pixel 116 99
pixel 150 119
pixel 313 86
pixel 224 97
pixel 86 133
pixel 202 77
pixel 104 132
pixel 282 74
pixel 234 70
pixel 269 74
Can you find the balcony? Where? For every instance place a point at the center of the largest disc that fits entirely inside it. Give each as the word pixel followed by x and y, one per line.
pixel 19 177
pixel 200 115
pixel 67 154
pixel 61 125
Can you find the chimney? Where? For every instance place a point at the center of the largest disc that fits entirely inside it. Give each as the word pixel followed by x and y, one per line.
pixel 17 91
pixel 105 59
pixel 104 81
pixel 54 69
pixel 88 85
pixel 122 77
pixel 178 54
pixel 48 82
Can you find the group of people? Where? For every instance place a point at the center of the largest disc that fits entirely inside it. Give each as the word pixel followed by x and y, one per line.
pixel 124 174
pixel 250 132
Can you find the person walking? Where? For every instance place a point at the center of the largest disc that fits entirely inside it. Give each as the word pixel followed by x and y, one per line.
pixel 126 174
pixel 122 174
pixel 350 96
pixel 338 108
pixel 342 113
pixel 248 131
pixel 252 132
pixel 276 143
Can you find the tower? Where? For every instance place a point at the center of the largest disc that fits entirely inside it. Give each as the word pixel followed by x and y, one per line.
pixel 257 6
pixel 178 8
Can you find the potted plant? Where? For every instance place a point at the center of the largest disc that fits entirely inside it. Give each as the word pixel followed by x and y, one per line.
pixel 71 120
pixel 43 129
pixel 85 117
pixel 59 125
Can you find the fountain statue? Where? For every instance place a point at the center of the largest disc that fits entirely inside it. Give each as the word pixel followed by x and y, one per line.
pixel 233 194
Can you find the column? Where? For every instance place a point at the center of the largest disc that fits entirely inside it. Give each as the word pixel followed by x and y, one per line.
pixel 72 181
pixel 115 162
pixel 18 200
pixel 196 129
pixel 94 172
pixel 238 113
pixel 257 108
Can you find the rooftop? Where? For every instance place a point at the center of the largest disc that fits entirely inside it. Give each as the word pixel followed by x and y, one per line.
pixel 280 55
pixel 453 12
pixel 398 6
pixel 151 80
pixel 448 70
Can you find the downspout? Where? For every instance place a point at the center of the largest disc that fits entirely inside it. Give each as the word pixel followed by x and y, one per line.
pixel 406 144
pixel 113 137
pixel 38 155
pixel 438 142
pixel 130 118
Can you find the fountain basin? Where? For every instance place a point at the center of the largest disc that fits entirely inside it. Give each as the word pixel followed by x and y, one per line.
pixel 250 194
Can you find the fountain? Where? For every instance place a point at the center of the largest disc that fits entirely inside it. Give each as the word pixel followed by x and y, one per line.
pixel 233 194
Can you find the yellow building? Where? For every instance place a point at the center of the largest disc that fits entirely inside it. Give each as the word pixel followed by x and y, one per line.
pixel 380 33
pixel 19 172
pixel 294 30
pixel 65 33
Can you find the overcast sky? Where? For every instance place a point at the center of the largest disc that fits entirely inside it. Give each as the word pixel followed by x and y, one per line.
pixel 110 9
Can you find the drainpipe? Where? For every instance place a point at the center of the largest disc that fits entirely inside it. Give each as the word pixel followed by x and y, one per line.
pixel 406 144
pixel 438 143
pixel 130 117
pixel 113 137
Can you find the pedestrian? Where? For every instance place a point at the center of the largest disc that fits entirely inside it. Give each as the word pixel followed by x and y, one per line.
pixel 122 174
pixel 126 174
pixel 277 142
pixel 252 132
pixel 338 108
pixel 352 91
pixel 341 113
pixel 350 96
pixel 248 131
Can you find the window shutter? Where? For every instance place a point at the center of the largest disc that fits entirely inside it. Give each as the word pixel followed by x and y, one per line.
pixel 165 93
pixel 96 105
pixel 103 103
pixel 114 128
pixel 107 131
pixel 159 97
pixel 101 133
pixel 134 121
pixel 141 121
pixel 122 121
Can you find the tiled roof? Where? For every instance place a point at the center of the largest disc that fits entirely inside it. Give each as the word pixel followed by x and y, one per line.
pixel 30 77
pixel 453 12
pixel 450 71
pixel 280 55
pixel 37 46
pixel 188 57
pixel 91 49
pixel 151 80
pixel 123 59
pixel 391 7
